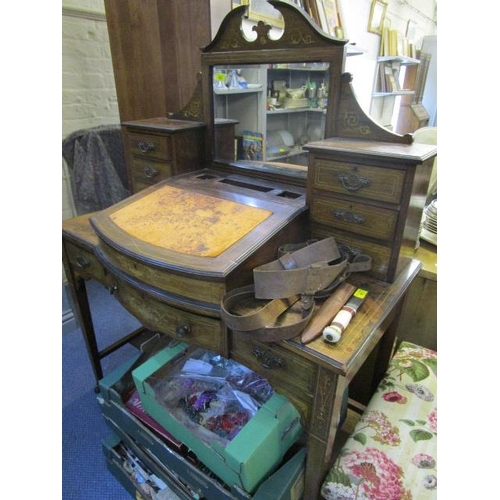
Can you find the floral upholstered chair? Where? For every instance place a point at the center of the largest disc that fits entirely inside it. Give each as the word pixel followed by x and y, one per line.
pixel 391 454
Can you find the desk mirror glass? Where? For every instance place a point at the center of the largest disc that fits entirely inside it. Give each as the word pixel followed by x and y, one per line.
pixel 274 108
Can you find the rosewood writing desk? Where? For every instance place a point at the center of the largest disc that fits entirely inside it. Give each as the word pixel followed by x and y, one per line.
pixel 312 376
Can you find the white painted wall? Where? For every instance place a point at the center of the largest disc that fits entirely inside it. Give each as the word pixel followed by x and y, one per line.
pixel 88 86
pixel 355 15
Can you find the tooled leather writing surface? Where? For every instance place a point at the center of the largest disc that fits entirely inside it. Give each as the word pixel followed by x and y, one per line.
pixel 188 222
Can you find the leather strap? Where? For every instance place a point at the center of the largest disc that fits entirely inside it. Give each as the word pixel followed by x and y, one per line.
pixel 307 270
pixel 266 321
pixel 281 302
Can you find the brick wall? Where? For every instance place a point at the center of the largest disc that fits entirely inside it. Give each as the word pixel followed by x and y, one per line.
pixel 88 87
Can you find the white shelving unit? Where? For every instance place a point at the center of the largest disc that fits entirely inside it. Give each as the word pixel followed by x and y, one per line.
pixel 249 106
pixel 386 102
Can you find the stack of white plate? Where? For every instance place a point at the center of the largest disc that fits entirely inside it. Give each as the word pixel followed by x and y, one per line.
pixel 430 223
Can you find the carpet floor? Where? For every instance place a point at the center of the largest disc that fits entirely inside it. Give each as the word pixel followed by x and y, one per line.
pixel 84 472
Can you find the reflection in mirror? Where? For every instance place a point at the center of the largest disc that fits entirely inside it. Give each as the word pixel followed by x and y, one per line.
pixel 274 108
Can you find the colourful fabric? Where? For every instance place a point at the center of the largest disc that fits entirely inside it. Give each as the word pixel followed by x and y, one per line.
pixel 391 454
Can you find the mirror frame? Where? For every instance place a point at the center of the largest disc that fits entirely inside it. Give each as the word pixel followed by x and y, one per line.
pixel 301 42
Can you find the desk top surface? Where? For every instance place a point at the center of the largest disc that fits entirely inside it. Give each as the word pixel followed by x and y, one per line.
pixel 366 328
pixel 364 331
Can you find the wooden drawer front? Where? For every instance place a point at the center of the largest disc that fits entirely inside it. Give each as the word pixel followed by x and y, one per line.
pixel 358 218
pixel 84 263
pixel 160 317
pixel 210 292
pixel 150 146
pixel 150 172
pixel 380 254
pixel 373 183
pixel 290 375
pixel 274 363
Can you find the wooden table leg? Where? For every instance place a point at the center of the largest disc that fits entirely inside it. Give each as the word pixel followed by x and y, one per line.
pixel 84 316
pixel 325 421
pixel 386 345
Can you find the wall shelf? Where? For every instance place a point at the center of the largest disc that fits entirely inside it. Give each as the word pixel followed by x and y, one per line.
pixel 395 93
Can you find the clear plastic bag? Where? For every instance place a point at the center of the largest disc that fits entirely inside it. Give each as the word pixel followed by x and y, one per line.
pixel 212 396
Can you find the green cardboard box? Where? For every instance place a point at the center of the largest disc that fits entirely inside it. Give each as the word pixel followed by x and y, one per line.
pixel 252 455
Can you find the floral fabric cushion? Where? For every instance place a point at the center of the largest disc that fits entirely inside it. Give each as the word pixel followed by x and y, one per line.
pixel 391 454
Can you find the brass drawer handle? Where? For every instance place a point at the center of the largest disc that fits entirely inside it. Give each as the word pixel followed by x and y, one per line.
pixel 349 217
pixel 267 359
pixel 81 262
pixel 353 182
pixel 146 147
pixel 350 252
pixel 150 172
pixel 183 330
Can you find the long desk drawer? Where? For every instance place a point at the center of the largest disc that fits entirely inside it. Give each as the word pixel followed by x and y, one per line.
pixel 153 313
pixel 193 289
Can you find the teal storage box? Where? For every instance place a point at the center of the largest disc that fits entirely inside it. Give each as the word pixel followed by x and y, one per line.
pixel 244 460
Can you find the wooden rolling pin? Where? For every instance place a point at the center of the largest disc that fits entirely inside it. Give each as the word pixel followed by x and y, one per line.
pixel 327 312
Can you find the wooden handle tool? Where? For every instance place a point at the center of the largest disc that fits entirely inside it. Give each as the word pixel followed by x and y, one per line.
pixel 327 312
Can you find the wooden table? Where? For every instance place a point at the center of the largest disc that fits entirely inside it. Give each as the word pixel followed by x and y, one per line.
pixel 331 367
pixel 419 316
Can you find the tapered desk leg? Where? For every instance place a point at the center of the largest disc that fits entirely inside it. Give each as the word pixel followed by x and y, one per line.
pixel 325 422
pixel 84 316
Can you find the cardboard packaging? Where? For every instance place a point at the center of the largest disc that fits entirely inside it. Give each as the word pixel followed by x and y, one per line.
pixel 252 455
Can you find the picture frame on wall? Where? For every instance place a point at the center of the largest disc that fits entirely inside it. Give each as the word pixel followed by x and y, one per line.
pixel 377 16
pixel 333 16
pixel 261 10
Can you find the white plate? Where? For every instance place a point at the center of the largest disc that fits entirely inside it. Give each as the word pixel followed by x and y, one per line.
pixel 428 236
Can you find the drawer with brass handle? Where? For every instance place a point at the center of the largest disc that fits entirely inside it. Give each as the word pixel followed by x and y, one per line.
pixel 159 316
pixel 274 362
pixel 150 172
pixel 351 245
pixel 351 179
pixel 150 145
pixel 359 218
pixel 84 262
pixel 286 372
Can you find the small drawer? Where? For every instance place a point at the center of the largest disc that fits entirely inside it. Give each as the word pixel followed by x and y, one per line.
pixel 373 183
pixel 150 146
pixel 84 263
pixel 381 255
pixel 288 374
pixel 150 172
pixel 276 364
pixel 160 317
pixel 367 220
